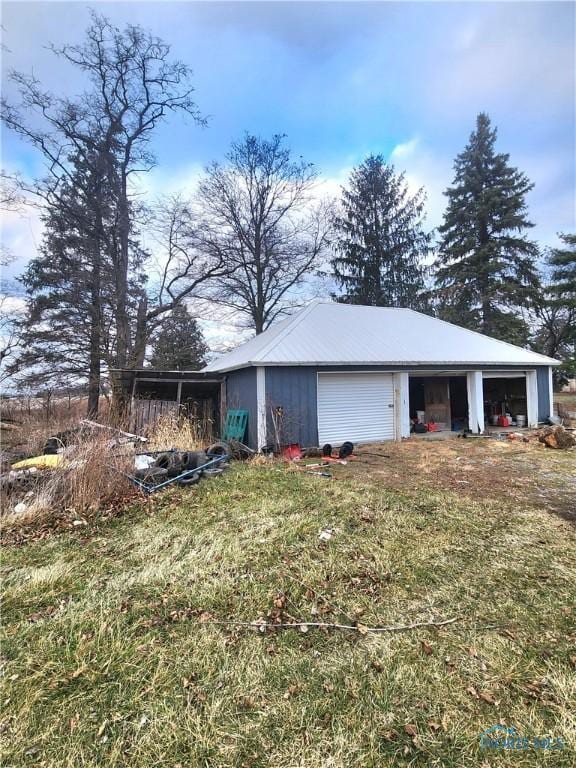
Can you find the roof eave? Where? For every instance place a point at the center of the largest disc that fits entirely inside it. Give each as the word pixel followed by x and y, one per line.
pixel 473 364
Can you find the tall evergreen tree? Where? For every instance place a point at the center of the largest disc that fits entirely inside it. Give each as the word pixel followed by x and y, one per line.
pixel 485 268
pixel 563 263
pixel 179 344
pixel 563 298
pixel 380 242
pixel 69 331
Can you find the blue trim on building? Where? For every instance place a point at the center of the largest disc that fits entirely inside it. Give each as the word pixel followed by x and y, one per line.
pixel 293 389
pixel 543 383
pixel 241 393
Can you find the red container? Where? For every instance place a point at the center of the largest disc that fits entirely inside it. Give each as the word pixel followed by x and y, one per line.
pixel 291 452
pixel 432 426
pixel 503 421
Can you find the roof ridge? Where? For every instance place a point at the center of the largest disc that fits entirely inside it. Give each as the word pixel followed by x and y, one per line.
pixel 478 333
pixel 296 319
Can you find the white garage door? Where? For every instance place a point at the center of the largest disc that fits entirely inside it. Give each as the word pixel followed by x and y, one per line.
pixel 355 406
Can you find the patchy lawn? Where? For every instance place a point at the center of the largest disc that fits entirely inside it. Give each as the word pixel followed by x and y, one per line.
pixel 511 472
pixel 111 656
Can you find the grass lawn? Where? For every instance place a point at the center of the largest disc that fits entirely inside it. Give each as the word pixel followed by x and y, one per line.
pixel 110 657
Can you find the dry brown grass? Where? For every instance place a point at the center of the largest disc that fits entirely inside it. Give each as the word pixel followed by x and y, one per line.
pixel 90 479
pixel 181 433
pixel 33 420
pixel 503 470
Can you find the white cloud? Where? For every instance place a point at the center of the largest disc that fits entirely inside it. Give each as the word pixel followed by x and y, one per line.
pixel 12 305
pixel 329 186
pixel 163 181
pixel 406 149
pixel 427 169
pixel 21 237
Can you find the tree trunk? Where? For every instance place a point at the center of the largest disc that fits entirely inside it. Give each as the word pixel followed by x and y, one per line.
pixel 141 335
pixel 123 341
pixel 94 371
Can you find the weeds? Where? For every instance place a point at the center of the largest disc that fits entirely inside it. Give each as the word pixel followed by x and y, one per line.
pixel 90 478
pixel 110 658
pixel 94 474
pixel 180 433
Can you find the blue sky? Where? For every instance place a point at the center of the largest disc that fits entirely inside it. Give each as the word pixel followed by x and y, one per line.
pixel 341 80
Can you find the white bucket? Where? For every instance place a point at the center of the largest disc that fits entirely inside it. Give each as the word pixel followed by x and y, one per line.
pixel 421 415
pixel 521 421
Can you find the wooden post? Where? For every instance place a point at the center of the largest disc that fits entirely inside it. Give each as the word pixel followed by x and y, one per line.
pixel 222 405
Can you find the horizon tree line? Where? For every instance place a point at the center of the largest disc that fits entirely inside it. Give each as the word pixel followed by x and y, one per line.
pixel 253 236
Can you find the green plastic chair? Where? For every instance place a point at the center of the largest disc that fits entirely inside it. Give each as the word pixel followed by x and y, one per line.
pixel 235 426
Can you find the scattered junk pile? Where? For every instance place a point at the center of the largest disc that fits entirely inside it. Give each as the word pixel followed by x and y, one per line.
pixel 147 471
pixel 327 455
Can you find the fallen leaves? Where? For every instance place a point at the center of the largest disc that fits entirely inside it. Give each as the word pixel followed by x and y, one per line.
pixel 483 695
pixel 280 600
pixel 427 647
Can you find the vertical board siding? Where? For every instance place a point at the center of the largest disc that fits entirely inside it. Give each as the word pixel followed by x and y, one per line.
pixel 543 380
pixel 145 413
pixel 241 393
pixel 293 389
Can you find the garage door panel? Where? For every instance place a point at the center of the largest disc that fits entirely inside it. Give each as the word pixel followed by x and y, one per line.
pixel 356 407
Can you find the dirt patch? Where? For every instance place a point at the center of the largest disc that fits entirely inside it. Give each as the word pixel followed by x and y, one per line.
pixel 524 474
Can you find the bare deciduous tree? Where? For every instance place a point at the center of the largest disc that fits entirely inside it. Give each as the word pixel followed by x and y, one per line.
pixel 185 266
pixel 134 85
pixel 260 218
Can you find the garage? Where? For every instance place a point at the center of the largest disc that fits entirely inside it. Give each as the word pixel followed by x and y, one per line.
pixel 334 372
pixel 355 406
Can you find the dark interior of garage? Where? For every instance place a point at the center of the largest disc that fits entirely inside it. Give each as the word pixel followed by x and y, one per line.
pixel 505 396
pixel 439 400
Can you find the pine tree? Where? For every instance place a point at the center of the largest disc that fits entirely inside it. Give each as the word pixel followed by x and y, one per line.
pixel 563 262
pixel 179 344
pixel 65 285
pixel 381 242
pixel 563 291
pixel 485 269
pixel 68 335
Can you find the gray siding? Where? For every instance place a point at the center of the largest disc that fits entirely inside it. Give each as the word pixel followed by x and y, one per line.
pixel 241 393
pixel 294 390
pixel 543 382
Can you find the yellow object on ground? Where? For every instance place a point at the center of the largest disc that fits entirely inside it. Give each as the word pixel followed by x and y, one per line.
pixel 48 461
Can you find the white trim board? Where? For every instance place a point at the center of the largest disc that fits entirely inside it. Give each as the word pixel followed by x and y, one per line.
pixel 261 432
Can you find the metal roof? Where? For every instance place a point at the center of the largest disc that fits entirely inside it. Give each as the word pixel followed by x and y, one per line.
pixel 327 333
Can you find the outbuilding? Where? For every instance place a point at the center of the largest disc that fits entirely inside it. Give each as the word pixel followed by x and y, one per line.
pixel 335 372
